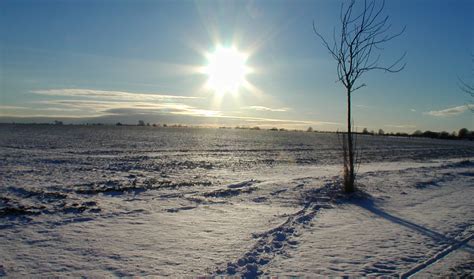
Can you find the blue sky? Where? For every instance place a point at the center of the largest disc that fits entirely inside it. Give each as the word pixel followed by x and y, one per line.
pixel 109 61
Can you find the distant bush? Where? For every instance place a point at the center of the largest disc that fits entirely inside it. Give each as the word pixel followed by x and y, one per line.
pixel 462 134
pixel 417 133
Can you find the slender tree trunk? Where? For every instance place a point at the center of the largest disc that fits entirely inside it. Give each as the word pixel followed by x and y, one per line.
pixel 350 179
pixel 361 33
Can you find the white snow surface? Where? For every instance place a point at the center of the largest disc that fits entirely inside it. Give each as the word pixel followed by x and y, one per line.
pixel 107 202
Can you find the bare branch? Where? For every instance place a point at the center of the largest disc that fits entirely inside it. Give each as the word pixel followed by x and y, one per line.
pixel 359 87
pixel 469 89
pixel 361 35
pixel 324 41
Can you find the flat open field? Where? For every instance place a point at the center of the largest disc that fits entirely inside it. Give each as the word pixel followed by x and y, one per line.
pixel 145 201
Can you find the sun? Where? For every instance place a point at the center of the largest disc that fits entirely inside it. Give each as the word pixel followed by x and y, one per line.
pixel 226 70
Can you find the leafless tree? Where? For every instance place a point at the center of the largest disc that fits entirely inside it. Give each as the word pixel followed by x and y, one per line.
pixel 466 87
pixel 357 47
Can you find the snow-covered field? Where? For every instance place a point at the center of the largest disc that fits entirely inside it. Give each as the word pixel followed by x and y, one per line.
pixel 106 201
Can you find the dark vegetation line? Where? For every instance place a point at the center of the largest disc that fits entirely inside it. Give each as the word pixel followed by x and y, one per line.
pixel 462 134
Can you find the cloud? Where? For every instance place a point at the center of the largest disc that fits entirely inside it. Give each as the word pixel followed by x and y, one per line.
pixel 413 110
pixel 123 108
pixel 18 111
pixel 104 94
pixel 113 105
pixel 199 112
pixel 450 111
pixel 363 106
pixel 273 121
pixel 11 107
pixel 185 110
pixel 262 108
pixel 105 102
pixel 120 108
pixel 101 104
pixel 401 126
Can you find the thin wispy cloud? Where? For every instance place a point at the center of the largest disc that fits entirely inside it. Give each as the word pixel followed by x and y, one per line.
pixel 262 108
pixel 198 112
pixel 11 107
pixel 450 111
pixel 103 107
pixel 279 121
pixel 287 121
pixel 105 94
pixel 104 104
pixel 362 106
pixel 401 126
pixel 120 102
pixel 50 111
pixel 122 108
pixel 87 103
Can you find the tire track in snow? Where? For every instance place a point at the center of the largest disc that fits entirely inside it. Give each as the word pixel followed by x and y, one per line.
pixel 416 269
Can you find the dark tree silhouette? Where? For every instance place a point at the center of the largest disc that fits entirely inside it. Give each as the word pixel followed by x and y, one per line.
pixel 356 48
pixel 463 133
pixel 466 87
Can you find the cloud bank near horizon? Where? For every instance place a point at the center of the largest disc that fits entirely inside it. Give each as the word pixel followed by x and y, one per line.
pixel 77 103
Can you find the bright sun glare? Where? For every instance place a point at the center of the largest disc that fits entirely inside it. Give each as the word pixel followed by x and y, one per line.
pixel 226 70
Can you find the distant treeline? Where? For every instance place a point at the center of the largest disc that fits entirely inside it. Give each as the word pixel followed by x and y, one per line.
pixel 142 123
pixel 461 134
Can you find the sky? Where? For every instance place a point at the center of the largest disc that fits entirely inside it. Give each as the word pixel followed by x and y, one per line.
pixel 123 61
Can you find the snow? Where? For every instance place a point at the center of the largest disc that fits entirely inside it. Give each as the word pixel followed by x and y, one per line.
pixel 399 226
pixel 459 264
pixel 141 201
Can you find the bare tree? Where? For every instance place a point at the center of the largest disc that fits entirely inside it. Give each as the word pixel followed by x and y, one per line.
pixel 466 87
pixel 356 49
